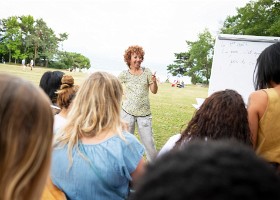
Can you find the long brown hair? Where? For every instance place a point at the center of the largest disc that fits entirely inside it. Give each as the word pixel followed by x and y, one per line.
pixel 222 115
pixel 26 130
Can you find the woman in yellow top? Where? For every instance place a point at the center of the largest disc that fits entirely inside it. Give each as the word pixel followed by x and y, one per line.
pixel 264 105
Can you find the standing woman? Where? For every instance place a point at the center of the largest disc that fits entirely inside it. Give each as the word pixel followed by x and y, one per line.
pixel 136 104
pixel 94 158
pixel 26 131
pixel 264 105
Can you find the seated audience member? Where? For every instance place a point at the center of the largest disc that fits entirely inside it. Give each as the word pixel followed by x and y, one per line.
pixel 264 104
pixel 50 82
pixel 222 115
pixel 212 170
pixel 93 157
pixel 26 131
pixel 65 95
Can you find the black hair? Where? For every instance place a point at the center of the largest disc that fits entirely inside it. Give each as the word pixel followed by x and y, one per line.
pixel 212 170
pixel 50 83
pixel 268 67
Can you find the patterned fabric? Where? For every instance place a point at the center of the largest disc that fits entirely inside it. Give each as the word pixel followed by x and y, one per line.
pixel 114 160
pixel 268 138
pixel 136 100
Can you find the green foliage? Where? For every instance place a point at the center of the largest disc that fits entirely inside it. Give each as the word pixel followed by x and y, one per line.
pixel 23 37
pixel 261 18
pixel 181 64
pixel 66 60
pixel 201 56
pixel 197 61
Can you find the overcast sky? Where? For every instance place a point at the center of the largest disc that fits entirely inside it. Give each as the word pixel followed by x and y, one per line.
pixel 102 29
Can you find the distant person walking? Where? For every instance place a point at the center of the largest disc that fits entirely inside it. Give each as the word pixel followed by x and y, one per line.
pixel 264 104
pixel 23 64
pixel 31 64
pixel 136 105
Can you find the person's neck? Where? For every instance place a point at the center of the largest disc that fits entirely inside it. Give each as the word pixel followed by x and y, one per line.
pixel 102 136
pixel 135 71
pixel 63 112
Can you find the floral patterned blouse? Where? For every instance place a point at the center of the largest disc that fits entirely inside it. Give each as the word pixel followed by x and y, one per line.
pixel 136 101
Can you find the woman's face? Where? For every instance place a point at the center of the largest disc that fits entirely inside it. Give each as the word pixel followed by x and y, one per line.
pixel 135 61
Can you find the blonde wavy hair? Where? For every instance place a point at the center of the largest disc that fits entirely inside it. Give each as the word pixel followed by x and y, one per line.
pixel 131 50
pixel 96 108
pixel 26 131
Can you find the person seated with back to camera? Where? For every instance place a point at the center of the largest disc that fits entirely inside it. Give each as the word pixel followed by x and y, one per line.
pixel 264 104
pixel 212 170
pixel 65 96
pixel 50 83
pixel 222 115
pixel 94 157
pixel 26 132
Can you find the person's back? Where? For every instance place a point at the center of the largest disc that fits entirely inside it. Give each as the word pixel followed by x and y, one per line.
pixel 264 104
pixel 268 142
pixel 94 158
pixel 222 115
pixel 26 123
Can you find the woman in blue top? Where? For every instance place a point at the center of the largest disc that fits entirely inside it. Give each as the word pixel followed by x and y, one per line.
pixel 94 157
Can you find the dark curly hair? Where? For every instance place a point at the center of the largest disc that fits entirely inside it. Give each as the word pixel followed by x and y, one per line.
pixel 212 170
pixel 222 115
pixel 131 50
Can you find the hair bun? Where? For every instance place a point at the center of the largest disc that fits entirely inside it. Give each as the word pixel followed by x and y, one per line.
pixel 67 79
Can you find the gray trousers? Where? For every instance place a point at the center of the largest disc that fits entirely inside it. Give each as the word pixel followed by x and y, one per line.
pixel 145 132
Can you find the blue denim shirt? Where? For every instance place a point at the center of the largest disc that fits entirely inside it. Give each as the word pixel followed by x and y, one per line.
pixel 106 173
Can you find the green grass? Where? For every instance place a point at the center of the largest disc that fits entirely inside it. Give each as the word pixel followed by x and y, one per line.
pixel 171 106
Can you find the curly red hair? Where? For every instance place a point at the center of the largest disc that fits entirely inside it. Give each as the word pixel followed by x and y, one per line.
pixel 131 50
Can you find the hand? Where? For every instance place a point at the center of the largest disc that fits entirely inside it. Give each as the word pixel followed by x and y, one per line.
pixel 154 78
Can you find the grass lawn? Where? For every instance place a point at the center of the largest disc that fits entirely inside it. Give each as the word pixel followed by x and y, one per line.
pixel 171 106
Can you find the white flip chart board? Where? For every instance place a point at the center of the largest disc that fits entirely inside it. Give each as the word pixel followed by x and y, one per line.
pixel 234 61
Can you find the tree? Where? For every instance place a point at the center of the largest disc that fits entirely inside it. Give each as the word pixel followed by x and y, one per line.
pixel 181 64
pixel 197 61
pixel 260 18
pixel 66 60
pixel 10 40
pixel 201 56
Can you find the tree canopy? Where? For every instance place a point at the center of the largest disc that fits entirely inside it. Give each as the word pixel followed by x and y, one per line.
pixel 23 37
pixel 197 61
pixel 260 18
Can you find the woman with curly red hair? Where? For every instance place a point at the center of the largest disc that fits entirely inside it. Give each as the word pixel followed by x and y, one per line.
pixel 136 104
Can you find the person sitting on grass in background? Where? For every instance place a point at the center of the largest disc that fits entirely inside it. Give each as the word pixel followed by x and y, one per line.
pixel 26 131
pixel 222 115
pixel 50 82
pixel 94 157
pixel 65 95
pixel 212 170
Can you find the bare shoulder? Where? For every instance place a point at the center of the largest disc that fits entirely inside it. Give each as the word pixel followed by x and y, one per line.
pixel 259 95
pixel 258 100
